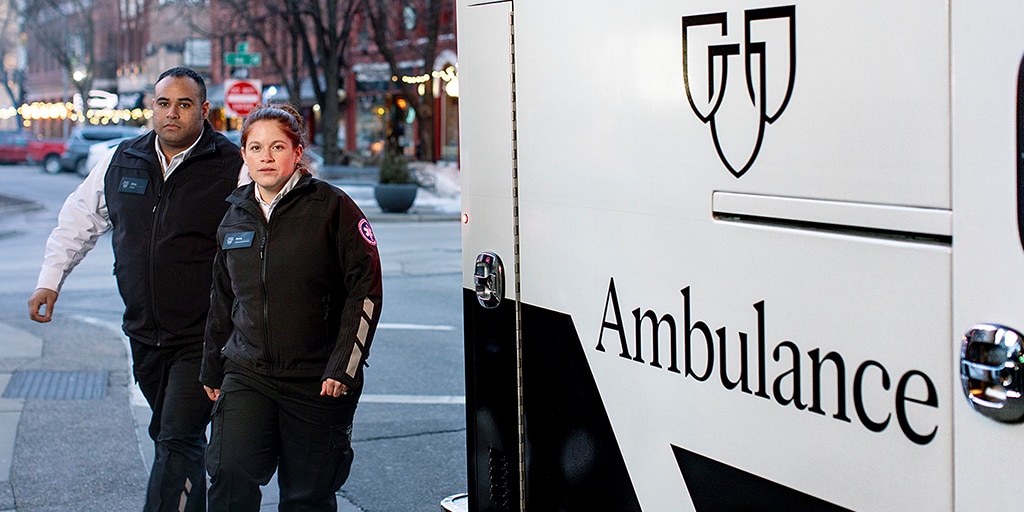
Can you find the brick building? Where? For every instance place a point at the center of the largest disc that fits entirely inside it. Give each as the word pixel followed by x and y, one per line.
pixel 94 62
pixel 154 36
pixel 135 40
pixel 367 88
pixel 91 58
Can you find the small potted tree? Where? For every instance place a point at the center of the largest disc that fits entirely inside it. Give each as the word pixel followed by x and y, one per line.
pixel 397 185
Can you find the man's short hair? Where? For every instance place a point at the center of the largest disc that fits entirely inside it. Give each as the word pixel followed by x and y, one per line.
pixel 183 72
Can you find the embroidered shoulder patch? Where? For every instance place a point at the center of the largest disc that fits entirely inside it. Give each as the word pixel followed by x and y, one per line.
pixel 367 232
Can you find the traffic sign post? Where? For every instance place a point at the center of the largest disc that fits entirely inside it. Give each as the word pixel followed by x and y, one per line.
pixel 242 96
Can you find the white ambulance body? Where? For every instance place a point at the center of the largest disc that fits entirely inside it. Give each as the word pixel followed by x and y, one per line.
pixel 741 245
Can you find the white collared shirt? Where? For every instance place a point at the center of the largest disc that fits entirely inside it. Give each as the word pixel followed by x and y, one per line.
pixel 169 166
pixel 268 208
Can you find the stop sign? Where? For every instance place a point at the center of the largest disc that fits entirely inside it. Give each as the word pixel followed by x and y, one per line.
pixel 241 96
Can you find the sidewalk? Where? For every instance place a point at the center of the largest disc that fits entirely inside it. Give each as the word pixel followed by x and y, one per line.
pixel 14 344
pixel 428 207
pixel 441 201
pixel 64 421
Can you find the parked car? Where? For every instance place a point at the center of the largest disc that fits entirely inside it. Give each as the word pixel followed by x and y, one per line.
pixel 82 138
pixel 96 152
pixel 17 147
pixel 47 152
pixel 14 147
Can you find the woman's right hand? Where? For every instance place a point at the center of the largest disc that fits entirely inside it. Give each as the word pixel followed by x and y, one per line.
pixel 212 393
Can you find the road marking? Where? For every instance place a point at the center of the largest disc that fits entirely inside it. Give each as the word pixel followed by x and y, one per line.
pixel 413 399
pixel 114 326
pixel 415 327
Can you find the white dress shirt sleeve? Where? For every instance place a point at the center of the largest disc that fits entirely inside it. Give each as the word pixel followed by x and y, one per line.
pixel 82 220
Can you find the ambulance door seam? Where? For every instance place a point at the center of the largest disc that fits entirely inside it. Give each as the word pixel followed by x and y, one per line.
pixel 515 263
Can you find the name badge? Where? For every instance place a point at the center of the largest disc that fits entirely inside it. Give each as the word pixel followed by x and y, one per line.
pixel 133 185
pixel 238 240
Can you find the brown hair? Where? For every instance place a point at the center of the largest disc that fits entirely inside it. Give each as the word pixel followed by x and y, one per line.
pixel 289 120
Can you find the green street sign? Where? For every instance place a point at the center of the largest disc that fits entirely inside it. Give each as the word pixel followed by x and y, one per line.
pixel 245 60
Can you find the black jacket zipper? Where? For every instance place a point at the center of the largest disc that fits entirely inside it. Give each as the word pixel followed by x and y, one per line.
pixel 266 299
pixel 157 212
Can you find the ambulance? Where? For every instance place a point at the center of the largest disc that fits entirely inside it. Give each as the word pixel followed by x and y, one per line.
pixel 743 255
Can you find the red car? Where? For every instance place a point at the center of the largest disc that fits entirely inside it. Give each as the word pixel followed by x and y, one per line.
pixel 47 152
pixel 14 147
pixel 18 147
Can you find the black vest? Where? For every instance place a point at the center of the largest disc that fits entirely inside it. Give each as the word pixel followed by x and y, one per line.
pixel 164 234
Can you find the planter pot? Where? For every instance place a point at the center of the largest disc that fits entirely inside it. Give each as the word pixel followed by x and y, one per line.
pixel 395 198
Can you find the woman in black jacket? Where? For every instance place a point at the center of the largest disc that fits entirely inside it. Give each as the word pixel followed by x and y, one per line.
pixel 295 303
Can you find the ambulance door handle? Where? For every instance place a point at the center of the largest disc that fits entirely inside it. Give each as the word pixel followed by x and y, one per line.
pixel 489 280
pixel 992 371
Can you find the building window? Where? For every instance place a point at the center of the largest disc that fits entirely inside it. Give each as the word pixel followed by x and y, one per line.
pixel 197 53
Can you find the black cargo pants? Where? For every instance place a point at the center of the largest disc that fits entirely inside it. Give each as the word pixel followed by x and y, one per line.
pixel 261 424
pixel 169 379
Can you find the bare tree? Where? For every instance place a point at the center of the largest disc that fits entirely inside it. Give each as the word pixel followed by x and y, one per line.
pixel 310 39
pixel 301 39
pixel 11 74
pixel 66 30
pixel 324 28
pixel 387 18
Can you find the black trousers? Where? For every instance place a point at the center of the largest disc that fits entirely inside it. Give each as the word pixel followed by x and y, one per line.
pixel 169 379
pixel 261 424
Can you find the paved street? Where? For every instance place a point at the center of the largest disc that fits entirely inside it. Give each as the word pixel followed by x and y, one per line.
pixel 73 426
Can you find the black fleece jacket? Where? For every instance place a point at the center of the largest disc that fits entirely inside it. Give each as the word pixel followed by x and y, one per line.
pixel 297 296
pixel 163 234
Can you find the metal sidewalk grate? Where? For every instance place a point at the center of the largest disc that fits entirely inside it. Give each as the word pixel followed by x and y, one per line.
pixel 52 385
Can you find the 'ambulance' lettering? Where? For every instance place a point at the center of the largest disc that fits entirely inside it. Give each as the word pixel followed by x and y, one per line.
pixel 787 386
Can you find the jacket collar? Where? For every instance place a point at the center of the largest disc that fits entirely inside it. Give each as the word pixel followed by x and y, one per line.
pixel 245 196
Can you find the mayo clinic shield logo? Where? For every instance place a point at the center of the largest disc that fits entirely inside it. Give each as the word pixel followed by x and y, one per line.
pixel 739 105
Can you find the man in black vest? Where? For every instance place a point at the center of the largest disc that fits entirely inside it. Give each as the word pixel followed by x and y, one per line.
pixel 163 195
